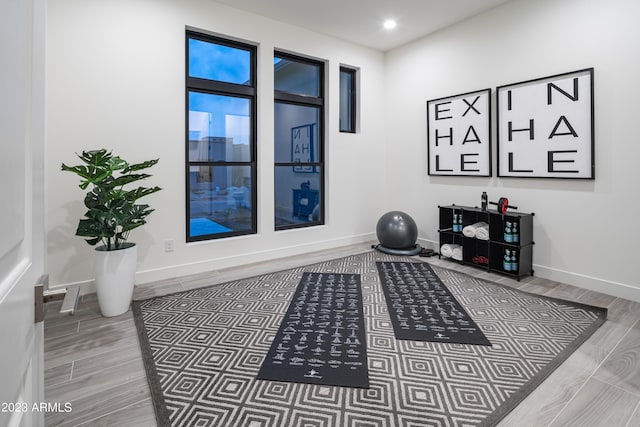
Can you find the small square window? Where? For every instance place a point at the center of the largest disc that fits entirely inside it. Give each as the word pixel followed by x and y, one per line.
pixel 215 61
pixel 297 77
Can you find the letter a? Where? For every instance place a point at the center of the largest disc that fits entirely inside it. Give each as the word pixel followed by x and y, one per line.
pixel 564 120
pixel 471 130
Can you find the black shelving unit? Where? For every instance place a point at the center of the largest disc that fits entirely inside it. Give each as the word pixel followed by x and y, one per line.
pixel 512 258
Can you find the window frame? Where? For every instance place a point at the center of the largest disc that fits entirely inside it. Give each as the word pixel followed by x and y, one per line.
pixel 353 97
pixel 305 101
pixel 215 87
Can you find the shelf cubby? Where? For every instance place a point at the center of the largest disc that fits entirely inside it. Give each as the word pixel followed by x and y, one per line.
pixel 490 254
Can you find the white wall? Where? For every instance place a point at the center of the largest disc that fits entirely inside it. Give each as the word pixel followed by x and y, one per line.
pixel 585 231
pixel 115 76
pixel 116 80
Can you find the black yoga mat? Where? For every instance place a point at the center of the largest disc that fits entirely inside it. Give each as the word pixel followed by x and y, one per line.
pixel 421 307
pixel 321 339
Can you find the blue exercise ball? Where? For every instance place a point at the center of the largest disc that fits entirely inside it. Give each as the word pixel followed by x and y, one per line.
pixel 397 230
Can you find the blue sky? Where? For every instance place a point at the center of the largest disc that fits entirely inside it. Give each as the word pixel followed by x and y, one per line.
pixel 218 62
pixel 222 63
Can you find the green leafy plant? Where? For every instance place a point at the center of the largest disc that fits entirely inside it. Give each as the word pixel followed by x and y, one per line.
pixel 112 211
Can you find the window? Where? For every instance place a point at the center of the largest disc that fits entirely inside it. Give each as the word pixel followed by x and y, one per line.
pixel 298 141
pixel 347 100
pixel 220 137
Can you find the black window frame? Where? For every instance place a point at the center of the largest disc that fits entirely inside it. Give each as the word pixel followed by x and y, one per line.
pixel 306 101
pixel 248 91
pixel 352 100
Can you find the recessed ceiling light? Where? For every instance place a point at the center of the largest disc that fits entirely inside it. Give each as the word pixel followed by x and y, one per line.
pixel 390 24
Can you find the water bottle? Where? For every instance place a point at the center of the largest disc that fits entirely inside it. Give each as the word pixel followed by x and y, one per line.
pixel 508 233
pixel 506 263
pixel 515 237
pixel 484 201
pixel 514 261
pixel 456 223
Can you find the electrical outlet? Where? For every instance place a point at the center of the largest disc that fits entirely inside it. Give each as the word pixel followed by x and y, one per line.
pixel 168 245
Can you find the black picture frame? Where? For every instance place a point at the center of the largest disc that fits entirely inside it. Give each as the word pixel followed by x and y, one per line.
pixel 452 123
pixel 545 127
pixel 302 148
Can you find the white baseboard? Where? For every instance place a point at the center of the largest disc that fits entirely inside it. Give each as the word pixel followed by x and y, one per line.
pixel 247 258
pixel 596 284
pixel 145 276
pixel 609 287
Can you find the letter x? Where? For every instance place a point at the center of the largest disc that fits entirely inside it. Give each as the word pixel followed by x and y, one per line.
pixel 471 105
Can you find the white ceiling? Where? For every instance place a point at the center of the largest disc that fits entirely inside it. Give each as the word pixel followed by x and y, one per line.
pixel 360 21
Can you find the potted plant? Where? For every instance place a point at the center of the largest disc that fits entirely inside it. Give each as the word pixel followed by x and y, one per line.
pixel 111 214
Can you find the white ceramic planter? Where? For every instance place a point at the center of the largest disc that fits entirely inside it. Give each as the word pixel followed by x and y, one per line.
pixel 115 278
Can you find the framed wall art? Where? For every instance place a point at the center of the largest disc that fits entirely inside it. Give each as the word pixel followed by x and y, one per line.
pixel 302 148
pixel 545 127
pixel 459 134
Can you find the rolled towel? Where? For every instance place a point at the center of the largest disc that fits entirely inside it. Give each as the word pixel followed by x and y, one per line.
pixel 472 230
pixel 447 250
pixel 469 230
pixel 457 253
pixel 482 232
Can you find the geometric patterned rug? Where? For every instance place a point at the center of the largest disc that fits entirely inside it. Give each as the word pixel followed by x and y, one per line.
pixel 203 348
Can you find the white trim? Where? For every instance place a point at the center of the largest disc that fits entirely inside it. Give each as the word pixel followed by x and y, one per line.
pixel 617 289
pixel 88 286
pixel 16 418
pixel 246 258
pixel 597 284
pixel 13 277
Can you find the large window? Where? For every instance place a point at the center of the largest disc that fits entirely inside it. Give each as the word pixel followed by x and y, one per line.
pixel 347 100
pixel 220 137
pixel 299 141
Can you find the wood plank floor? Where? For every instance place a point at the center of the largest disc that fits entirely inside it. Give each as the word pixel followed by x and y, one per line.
pixel 95 363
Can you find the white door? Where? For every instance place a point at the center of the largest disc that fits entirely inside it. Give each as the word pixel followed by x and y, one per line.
pixel 22 237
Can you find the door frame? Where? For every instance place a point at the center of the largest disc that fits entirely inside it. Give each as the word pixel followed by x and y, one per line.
pixel 23 254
